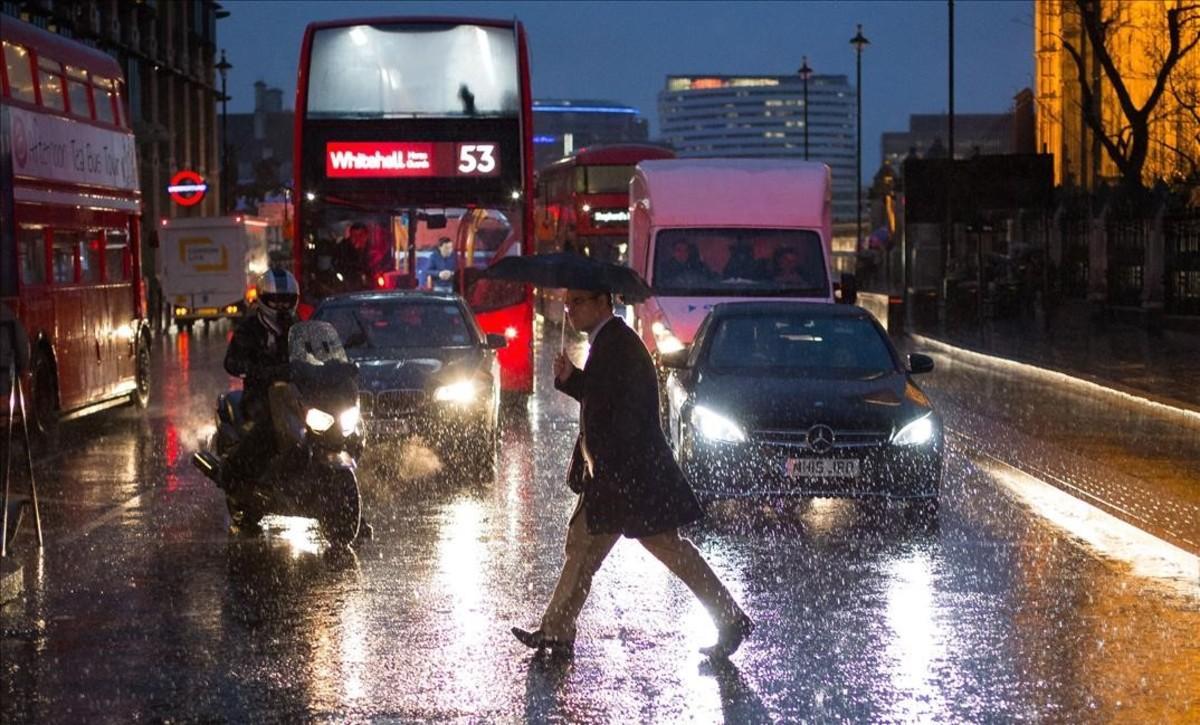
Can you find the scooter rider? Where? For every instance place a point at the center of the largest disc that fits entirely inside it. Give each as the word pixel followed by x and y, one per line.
pixel 258 353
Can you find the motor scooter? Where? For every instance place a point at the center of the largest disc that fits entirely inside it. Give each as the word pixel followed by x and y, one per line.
pixel 316 479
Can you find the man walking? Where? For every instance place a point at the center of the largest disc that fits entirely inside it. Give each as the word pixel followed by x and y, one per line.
pixel 628 481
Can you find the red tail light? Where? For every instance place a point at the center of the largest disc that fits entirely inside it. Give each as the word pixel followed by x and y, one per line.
pixel 381 281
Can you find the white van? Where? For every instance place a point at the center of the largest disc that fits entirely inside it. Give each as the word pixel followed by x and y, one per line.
pixel 704 231
pixel 207 266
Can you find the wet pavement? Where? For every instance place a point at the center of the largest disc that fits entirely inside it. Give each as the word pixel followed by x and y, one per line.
pixel 1158 364
pixel 144 607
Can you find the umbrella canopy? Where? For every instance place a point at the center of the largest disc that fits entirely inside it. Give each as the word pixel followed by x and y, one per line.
pixel 571 271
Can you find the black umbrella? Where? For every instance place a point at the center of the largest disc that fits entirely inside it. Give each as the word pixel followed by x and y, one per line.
pixel 571 271
pixel 564 270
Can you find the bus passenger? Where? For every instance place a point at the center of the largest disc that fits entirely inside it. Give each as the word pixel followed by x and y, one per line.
pixel 442 265
pixel 350 258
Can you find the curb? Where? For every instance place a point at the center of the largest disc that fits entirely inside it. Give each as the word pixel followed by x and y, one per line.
pixel 1175 408
pixel 12 580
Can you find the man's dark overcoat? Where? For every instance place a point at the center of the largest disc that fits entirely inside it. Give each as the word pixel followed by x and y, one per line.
pixel 633 486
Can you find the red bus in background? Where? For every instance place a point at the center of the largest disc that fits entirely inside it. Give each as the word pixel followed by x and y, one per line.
pixel 583 200
pixel 409 130
pixel 70 204
pixel 582 205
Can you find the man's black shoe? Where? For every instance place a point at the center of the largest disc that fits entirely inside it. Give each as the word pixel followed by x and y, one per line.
pixel 539 641
pixel 729 638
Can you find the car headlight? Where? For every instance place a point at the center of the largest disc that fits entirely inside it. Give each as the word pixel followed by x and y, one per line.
pixel 318 420
pixel 916 433
pixel 461 392
pixel 716 427
pixel 664 339
pixel 348 420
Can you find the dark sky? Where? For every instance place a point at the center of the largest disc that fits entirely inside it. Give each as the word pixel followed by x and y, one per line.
pixel 623 51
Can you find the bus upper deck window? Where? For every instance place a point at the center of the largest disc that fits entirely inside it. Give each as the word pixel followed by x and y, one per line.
pixel 20 72
pixel 102 94
pixel 78 92
pixel 50 79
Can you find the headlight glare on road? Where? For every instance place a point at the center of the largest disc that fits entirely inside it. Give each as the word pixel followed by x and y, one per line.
pixel 318 420
pixel 916 433
pixel 716 427
pixel 461 392
pixel 348 420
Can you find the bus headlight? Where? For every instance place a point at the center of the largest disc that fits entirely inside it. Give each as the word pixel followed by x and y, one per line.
pixel 318 420
pixel 348 420
pixel 916 433
pixel 664 339
pixel 462 392
pixel 716 427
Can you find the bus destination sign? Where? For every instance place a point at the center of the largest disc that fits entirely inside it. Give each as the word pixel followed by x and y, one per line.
pixel 410 159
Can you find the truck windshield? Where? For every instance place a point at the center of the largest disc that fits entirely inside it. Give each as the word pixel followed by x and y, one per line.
pixel 739 262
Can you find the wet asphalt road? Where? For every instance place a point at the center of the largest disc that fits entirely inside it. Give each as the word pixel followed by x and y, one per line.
pixel 144 607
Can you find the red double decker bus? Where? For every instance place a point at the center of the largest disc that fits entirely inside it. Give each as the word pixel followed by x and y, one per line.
pixel 410 130
pixel 583 199
pixel 70 205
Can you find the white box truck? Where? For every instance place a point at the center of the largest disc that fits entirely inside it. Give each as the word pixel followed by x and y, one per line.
pixel 208 265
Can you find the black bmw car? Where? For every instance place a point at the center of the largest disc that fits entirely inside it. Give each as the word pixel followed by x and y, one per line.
pixel 794 398
pixel 425 369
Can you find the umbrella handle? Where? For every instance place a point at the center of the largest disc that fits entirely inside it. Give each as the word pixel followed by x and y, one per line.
pixel 562 336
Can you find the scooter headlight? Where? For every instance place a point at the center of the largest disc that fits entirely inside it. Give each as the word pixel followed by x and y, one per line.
pixel 348 420
pixel 916 433
pixel 318 420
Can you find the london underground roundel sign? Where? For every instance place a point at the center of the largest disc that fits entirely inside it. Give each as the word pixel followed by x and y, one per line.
pixel 187 188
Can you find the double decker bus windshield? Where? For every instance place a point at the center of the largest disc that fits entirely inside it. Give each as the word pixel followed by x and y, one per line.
pixel 350 239
pixel 606 179
pixel 403 70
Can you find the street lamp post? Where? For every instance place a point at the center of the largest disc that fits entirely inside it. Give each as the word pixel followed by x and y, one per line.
pixel 805 73
pixel 223 68
pixel 859 41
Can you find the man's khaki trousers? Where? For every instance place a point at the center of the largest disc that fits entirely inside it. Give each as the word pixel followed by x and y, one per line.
pixel 585 554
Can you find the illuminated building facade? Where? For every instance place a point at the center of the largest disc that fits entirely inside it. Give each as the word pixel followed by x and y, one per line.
pixel 1139 39
pixel 763 116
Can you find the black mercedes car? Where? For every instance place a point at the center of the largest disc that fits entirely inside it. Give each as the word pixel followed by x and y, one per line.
pixel 794 398
pixel 425 368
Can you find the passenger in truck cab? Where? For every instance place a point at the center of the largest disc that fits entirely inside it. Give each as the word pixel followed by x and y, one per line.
pixel 684 265
pixel 796 269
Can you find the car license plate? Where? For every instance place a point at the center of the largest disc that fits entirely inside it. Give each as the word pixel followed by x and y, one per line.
pixel 821 467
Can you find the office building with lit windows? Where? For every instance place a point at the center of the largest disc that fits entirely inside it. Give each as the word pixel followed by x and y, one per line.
pixel 763 116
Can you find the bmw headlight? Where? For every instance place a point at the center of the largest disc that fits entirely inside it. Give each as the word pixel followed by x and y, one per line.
pixel 664 339
pixel 716 427
pixel 348 420
pixel 916 433
pixel 462 392
pixel 318 420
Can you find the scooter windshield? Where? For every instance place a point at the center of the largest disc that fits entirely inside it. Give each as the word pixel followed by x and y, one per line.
pixel 315 343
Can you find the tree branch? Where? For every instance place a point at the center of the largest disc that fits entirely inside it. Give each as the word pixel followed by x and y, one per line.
pixel 1097 30
pixel 1090 113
